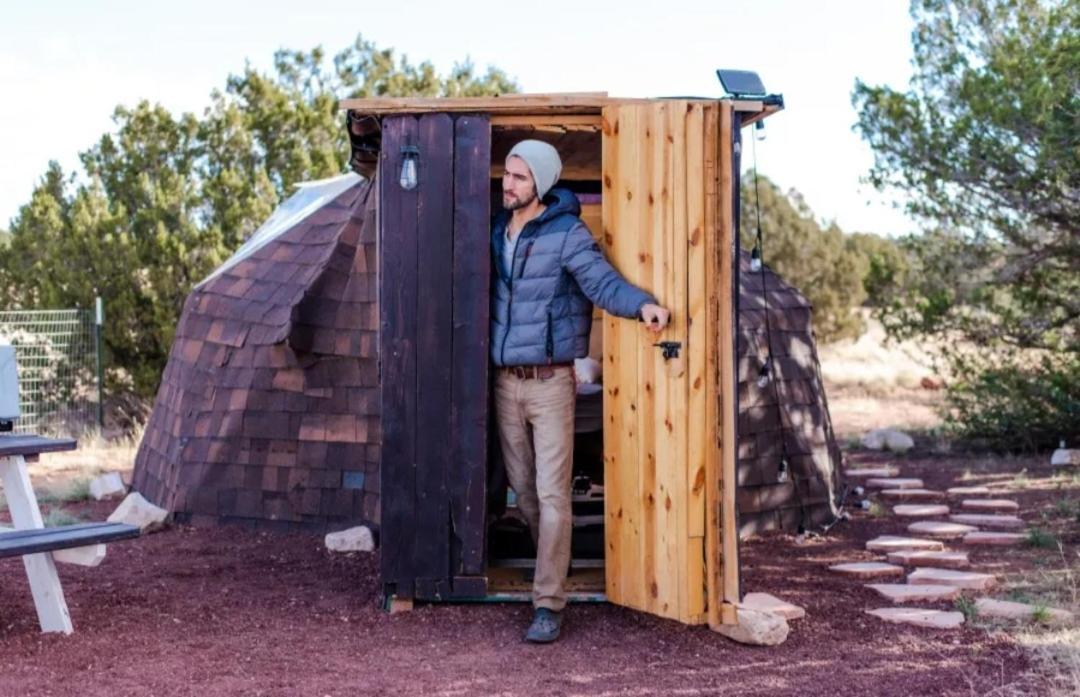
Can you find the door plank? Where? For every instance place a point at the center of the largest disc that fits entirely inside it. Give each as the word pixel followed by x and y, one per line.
pixel 434 291
pixel 397 351
pixel 469 407
pixel 613 401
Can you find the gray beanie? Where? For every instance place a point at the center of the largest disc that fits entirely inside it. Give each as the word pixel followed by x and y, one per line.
pixel 543 161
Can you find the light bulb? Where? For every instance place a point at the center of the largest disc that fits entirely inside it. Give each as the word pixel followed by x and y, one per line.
pixel 408 178
pixel 782 471
pixel 755 259
pixel 759 130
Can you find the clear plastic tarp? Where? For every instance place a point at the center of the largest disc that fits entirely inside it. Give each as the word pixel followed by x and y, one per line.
pixel 309 197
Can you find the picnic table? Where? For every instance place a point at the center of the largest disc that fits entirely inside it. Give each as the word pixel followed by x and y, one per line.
pixel 35 543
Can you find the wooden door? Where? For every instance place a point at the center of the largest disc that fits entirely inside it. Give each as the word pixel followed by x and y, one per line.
pixel 433 310
pixel 662 415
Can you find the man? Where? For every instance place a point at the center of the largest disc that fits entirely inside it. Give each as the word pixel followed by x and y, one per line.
pixel 548 273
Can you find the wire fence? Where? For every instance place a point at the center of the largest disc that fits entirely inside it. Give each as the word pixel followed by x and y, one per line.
pixel 57 356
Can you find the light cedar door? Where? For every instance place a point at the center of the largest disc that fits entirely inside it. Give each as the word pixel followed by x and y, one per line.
pixel 660 186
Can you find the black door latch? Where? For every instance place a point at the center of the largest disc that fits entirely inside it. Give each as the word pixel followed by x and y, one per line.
pixel 670 349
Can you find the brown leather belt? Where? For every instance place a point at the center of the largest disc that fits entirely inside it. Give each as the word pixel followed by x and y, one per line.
pixel 529 372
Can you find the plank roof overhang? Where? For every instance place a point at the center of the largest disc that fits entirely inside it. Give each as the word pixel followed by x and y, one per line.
pixel 533 104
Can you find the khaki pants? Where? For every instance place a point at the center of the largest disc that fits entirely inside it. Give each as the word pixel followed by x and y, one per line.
pixel 536 429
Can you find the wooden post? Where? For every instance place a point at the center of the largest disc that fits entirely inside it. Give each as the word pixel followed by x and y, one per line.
pixel 40 568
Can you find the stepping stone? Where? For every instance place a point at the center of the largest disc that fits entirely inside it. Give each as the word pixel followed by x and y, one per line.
pixel 994 538
pixel 1007 610
pixel 887 471
pixel 912 494
pixel 968 491
pixel 886 483
pixel 989 521
pixel 913 593
pixel 940 531
pixel 919 510
pixel 868 569
pixel 968 580
pixel 990 505
pixel 932 619
pixel 770 603
pixel 922 557
pixel 895 543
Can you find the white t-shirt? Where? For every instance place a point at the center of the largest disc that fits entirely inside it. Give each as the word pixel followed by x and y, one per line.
pixel 508 251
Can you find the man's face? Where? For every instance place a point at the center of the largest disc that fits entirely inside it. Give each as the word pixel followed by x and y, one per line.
pixel 519 190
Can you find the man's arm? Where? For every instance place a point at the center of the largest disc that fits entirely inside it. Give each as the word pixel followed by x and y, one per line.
pixel 599 280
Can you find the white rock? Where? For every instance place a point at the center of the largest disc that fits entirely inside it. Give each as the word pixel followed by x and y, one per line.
pixel 921 557
pixel 920 510
pixel 108 484
pixel 358 539
pixel 756 627
pixel 939 530
pixel 888 439
pixel 912 593
pixel 770 603
pixel 135 510
pixel 1065 458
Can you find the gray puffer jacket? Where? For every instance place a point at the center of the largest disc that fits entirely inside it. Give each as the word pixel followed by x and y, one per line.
pixel 542 312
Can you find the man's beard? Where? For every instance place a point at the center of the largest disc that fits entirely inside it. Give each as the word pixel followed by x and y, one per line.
pixel 517 203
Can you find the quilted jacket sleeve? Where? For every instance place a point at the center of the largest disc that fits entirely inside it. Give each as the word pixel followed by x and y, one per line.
pixel 598 279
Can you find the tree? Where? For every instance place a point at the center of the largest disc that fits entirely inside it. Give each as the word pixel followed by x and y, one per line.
pixel 165 198
pixel 816 260
pixel 985 145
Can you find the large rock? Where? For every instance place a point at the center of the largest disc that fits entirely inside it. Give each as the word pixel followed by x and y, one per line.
pixel 992 537
pixel 1065 458
pixel 770 603
pixel 358 539
pixel 988 520
pixel 888 439
pixel 921 557
pixel 939 530
pixel 894 543
pixel 901 593
pixel 108 484
pixel 920 510
pixel 137 511
pixel 913 494
pixel 1007 610
pixel 993 505
pixel 932 619
pixel 868 569
pixel 968 580
pixel 894 483
pixel 756 627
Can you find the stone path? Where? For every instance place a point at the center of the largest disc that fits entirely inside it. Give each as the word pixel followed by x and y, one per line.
pixel 940 574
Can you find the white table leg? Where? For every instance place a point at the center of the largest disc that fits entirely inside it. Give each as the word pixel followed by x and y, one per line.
pixel 40 569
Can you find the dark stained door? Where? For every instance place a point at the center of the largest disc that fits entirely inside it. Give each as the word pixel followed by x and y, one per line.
pixel 434 269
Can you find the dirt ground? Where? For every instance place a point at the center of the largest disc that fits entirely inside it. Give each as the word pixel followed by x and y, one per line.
pixel 224 611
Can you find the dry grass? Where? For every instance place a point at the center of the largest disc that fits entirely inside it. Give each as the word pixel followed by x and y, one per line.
pixel 1056 649
pixel 66 476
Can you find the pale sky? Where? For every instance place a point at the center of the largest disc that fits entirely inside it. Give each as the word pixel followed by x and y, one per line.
pixel 65 65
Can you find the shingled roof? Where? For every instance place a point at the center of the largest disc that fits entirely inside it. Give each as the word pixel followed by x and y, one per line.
pixel 268 406
pixel 789 414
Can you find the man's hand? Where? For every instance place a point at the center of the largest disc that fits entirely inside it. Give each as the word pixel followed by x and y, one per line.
pixel 655 317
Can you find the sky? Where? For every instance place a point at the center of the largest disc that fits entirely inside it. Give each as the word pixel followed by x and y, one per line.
pixel 65 65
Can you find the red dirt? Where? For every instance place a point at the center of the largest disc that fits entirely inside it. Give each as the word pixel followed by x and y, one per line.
pixel 196 611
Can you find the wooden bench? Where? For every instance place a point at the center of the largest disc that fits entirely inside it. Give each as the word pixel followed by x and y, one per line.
pixel 35 543
pixel 17 543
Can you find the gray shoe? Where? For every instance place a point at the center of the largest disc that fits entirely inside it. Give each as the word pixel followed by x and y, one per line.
pixel 545 626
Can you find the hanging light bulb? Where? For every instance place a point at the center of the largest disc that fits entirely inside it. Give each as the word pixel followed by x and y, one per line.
pixel 782 471
pixel 759 130
pixel 410 155
pixel 763 374
pixel 755 256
